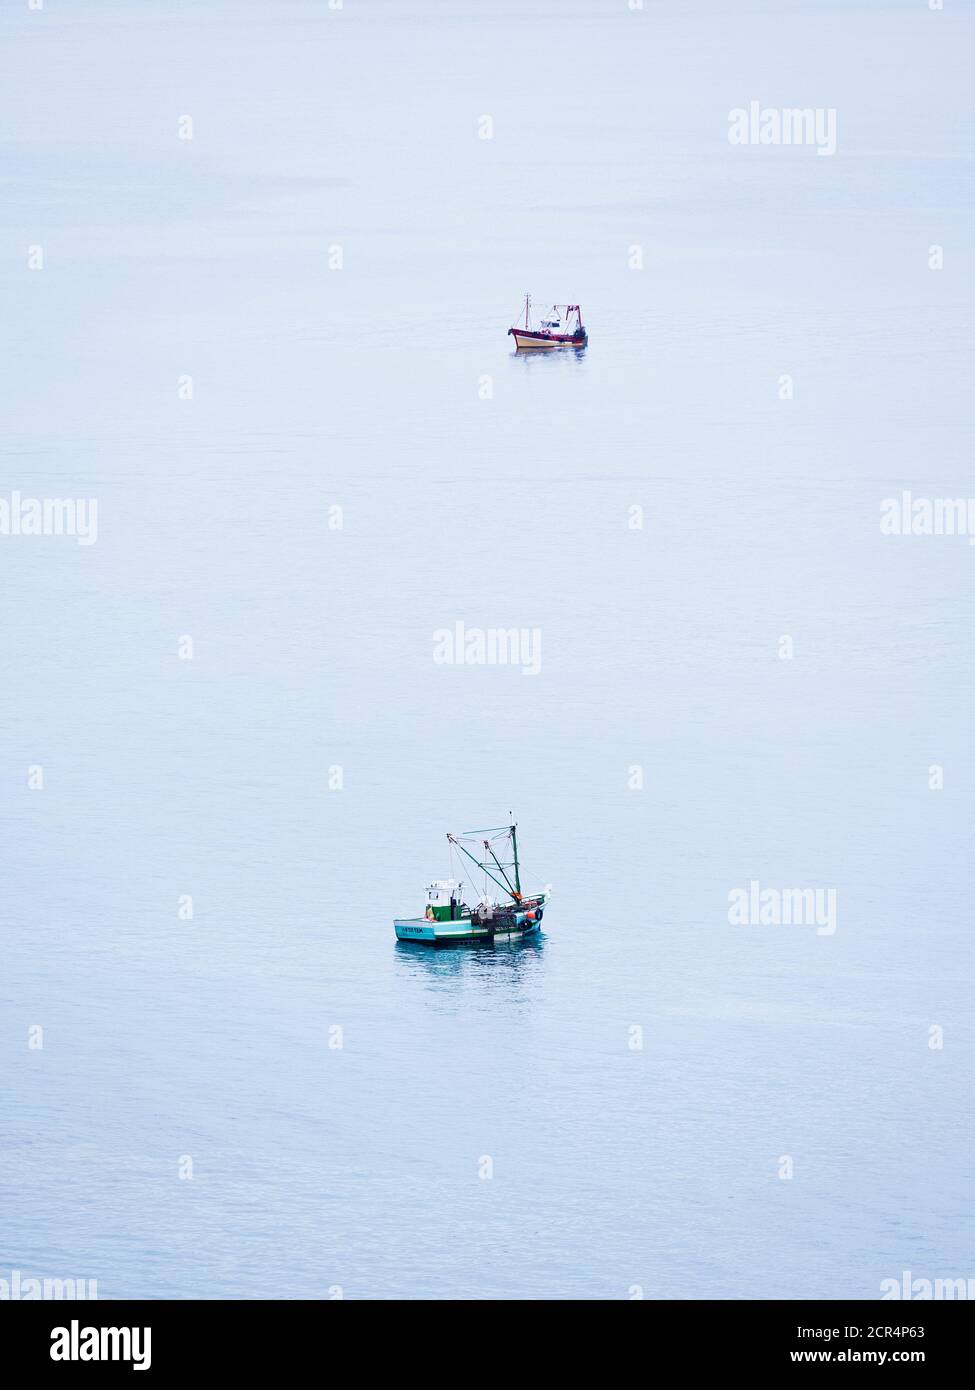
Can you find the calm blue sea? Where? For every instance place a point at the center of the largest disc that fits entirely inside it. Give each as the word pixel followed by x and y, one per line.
pixel 275 355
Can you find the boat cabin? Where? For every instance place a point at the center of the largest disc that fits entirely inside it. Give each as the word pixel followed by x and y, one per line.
pixel 444 900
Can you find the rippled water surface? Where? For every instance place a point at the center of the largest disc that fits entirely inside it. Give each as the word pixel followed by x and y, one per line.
pixel 634 1080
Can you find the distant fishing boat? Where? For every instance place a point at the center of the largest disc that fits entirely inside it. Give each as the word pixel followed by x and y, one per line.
pixel 447 916
pixel 561 328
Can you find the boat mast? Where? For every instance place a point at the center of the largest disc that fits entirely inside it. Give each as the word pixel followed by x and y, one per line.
pixel 527 324
pixel 514 846
pixel 505 887
pixel 501 869
pixel 513 892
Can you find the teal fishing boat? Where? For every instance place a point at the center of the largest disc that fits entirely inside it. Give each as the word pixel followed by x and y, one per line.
pixel 448 917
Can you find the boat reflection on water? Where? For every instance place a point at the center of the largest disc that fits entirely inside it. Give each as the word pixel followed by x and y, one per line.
pixel 532 355
pixel 484 964
pixel 499 945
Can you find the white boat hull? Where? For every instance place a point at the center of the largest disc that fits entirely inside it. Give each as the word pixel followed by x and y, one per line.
pixel 525 340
